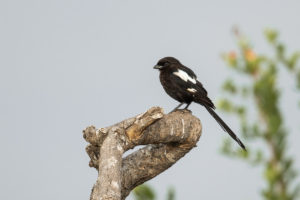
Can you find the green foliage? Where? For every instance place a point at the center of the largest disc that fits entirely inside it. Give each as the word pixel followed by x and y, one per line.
pixel 171 194
pixel 263 121
pixel 268 125
pixel 229 86
pixel 145 192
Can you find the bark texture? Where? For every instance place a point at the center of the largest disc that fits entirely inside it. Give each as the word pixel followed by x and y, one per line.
pixel 167 138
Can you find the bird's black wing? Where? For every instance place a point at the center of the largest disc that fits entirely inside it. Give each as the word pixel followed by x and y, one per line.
pixel 201 96
pixel 188 71
pixel 185 80
pixel 199 85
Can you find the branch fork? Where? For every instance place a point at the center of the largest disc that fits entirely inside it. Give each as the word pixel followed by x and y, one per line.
pixel 167 139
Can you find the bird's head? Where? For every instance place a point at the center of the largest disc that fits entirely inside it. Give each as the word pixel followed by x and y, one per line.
pixel 165 63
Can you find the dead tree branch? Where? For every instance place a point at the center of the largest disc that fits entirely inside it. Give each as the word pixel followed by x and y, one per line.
pixel 167 139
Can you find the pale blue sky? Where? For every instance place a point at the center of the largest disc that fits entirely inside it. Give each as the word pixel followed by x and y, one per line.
pixel 69 64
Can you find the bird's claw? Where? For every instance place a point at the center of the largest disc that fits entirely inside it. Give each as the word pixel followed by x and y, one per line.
pixel 181 110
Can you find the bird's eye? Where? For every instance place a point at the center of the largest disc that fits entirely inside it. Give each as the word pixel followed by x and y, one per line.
pixel 163 64
pixel 166 64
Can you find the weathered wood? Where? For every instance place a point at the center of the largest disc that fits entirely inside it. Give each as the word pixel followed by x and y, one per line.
pixel 167 139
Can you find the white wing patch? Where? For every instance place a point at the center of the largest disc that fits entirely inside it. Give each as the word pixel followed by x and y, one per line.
pixel 192 90
pixel 184 76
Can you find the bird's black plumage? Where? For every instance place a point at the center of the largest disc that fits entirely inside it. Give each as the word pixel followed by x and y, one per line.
pixel 181 83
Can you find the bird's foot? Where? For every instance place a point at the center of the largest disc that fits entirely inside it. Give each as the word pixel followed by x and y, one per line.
pixel 186 110
pixel 181 110
pixel 176 109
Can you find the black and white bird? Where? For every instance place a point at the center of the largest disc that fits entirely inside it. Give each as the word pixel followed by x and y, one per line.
pixel 181 83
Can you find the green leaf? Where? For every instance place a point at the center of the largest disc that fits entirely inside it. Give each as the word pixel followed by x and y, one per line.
pixel 245 91
pixel 225 105
pixel 240 110
pixel 243 43
pixel 280 49
pixel 227 147
pixel 298 79
pixel 259 157
pixel 171 194
pixel 143 192
pixel 291 63
pixel 230 58
pixel 243 154
pixel 270 174
pixel 265 124
pixel 229 86
pixel 271 35
pixel 296 192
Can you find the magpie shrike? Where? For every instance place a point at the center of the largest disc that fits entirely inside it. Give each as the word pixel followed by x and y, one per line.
pixel 181 84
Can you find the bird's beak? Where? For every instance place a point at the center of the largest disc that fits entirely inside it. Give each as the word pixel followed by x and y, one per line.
pixel 157 67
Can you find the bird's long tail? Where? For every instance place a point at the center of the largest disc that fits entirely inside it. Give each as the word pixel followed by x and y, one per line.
pixel 224 126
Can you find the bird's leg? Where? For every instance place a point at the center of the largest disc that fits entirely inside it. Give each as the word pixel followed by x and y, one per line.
pixel 187 105
pixel 177 107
